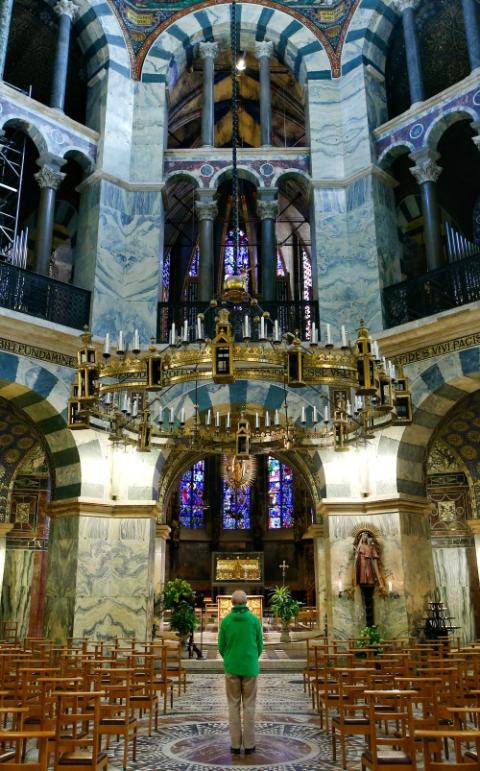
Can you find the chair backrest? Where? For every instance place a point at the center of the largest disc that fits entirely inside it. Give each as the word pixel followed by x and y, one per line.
pixel 16 740
pixel 391 708
pixel 466 746
pixel 76 728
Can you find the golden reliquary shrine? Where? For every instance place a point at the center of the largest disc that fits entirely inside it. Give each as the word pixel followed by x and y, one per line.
pixel 236 567
pixel 254 604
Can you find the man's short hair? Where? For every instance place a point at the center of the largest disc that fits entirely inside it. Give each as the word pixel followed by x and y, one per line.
pixel 239 597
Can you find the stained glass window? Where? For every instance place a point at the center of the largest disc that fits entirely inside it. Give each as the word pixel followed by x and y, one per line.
pixel 166 277
pixel 307 291
pixel 242 264
pixel 280 265
pixel 193 269
pixel 236 508
pixel 192 486
pixel 280 494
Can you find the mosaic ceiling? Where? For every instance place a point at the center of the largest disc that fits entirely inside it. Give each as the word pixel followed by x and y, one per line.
pixel 141 17
pixel 458 438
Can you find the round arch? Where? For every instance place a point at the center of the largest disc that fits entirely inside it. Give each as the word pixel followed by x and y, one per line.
pixel 35 400
pixel 171 47
pixel 375 22
pixel 26 127
pixel 439 126
pixel 435 391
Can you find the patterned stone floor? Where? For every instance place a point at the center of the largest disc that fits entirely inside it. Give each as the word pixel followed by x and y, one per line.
pixel 194 736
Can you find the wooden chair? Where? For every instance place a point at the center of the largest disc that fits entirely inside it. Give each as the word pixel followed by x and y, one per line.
pixel 163 684
pixel 175 670
pixel 465 757
pixel 144 696
pixel 77 738
pixel 17 740
pixel 117 716
pixel 391 743
pixel 352 718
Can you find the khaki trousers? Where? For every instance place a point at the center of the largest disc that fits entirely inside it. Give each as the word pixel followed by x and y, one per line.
pixel 241 691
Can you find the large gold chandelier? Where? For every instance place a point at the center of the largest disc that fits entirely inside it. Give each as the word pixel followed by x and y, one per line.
pixel 345 392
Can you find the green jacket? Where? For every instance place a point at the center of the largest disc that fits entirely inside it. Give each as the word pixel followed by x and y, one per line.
pixel 240 642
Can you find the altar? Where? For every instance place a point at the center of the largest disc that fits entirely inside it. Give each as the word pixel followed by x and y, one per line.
pixel 254 604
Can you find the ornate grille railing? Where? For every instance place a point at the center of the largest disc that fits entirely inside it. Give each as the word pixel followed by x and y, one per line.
pixel 291 315
pixel 27 292
pixel 448 287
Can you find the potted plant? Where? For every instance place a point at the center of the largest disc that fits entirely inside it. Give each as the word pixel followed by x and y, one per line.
pixel 285 607
pixel 178 597
pixel 370 637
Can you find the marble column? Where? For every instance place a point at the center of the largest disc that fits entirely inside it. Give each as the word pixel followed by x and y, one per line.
pixel 100 569
pixel 206 210
pixel 426 173
pixel 472 31
pixel 267 210
pixel 49 179
pixel 4 529
pixel 66 11
pixel 161 534
pixel 6 7
pixel 414 63
pixel 208 52
pixel 263 52
pixel 324 606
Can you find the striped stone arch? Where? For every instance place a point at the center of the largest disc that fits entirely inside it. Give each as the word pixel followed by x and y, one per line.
pixel 265 395
pixel 172 49
pixel 38 392
pixel 368 35
pixel 435 390
pixel 100 37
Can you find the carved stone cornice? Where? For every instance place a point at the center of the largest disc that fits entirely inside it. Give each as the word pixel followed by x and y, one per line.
pixel 91 507
pixel 264 48
pixel 350 507
pixel 267 210
pixel 66 8
pixel 474 526
pixel 401 5
pixel 49 176
pixel 162 531
pixel 206 210
pixel 426 170
pixel 208 50
pixel 314 531
pixel 5 528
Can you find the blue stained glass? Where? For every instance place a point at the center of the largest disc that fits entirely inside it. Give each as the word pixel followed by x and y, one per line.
pixel 243 259
pixel 236 508
pixel 280 267
pixel 280 494
pixel 193 270
pixel 192 486
pixel 166 277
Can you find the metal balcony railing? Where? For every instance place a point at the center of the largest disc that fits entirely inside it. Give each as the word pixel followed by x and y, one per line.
pixel 291 315
pixel 43 297
pixel 449 287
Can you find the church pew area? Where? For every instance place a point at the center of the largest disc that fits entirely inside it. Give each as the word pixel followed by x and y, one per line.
pixel 323 704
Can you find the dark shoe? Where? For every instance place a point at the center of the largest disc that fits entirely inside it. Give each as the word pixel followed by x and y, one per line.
pixel 249 750
pixel 235 750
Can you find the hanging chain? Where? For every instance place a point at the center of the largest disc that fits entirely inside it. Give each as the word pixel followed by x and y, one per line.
pixel 235 187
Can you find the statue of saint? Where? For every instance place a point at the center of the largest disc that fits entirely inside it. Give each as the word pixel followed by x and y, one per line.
pixel 366 562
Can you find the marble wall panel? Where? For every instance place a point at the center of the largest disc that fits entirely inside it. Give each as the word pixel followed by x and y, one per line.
pixel 100 579
pixel 17 589
pixel 457 580
pixel 325 130
pixel 347 246
pixel 150 121
pixel 392 612
pixel 125 232
pixel 418 571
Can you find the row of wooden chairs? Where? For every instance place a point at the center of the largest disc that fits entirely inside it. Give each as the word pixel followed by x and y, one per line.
pixel 68 698
pixel 416 689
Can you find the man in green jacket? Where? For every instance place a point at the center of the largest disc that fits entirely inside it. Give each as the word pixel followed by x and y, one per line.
pixel 240 643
